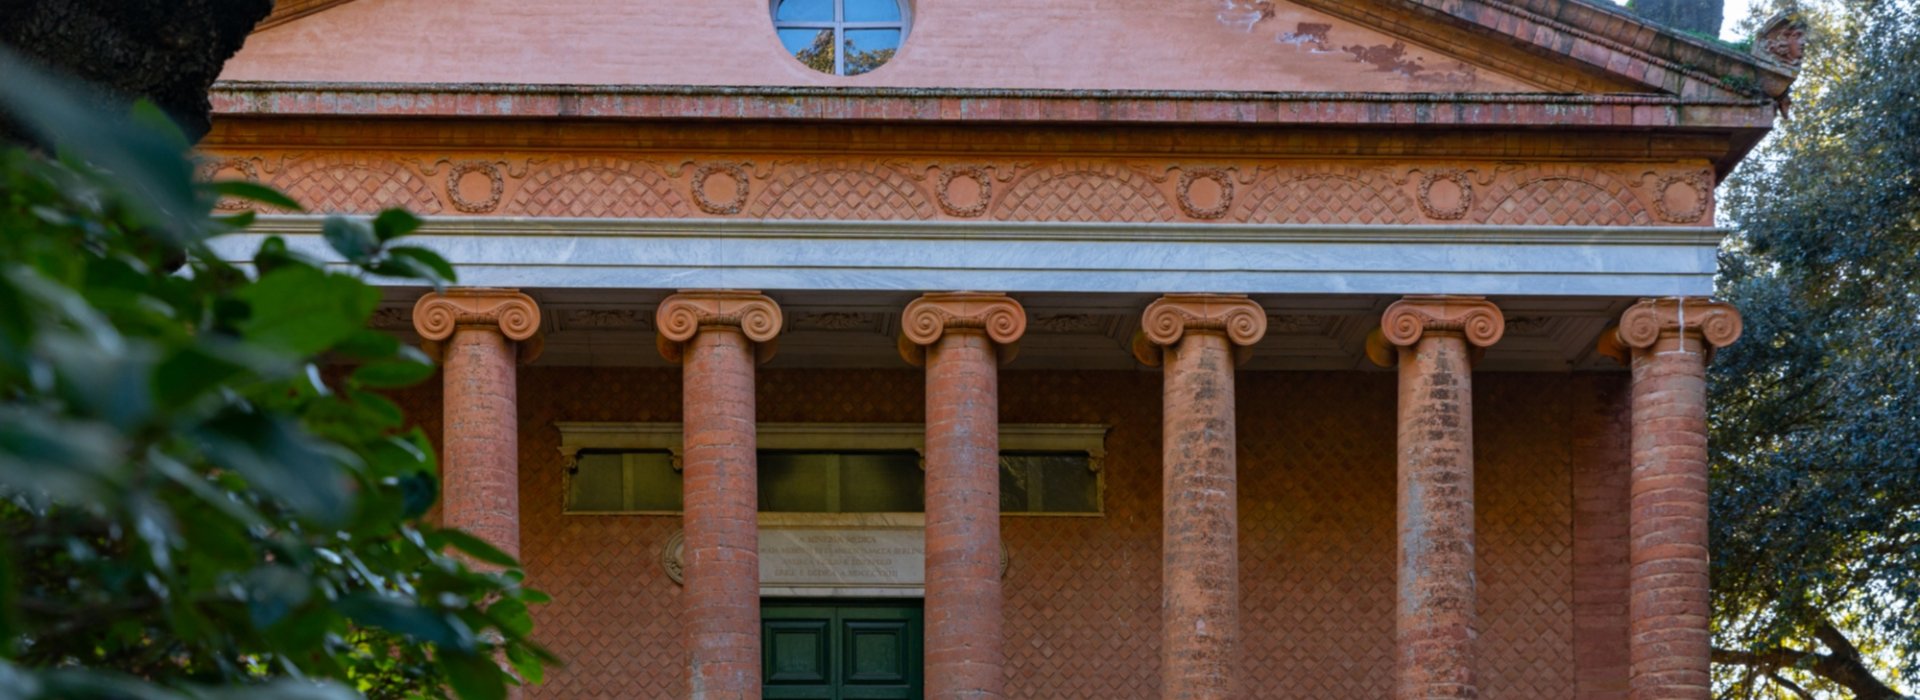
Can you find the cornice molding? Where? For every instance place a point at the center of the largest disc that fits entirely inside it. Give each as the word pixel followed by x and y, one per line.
pixel 1408 320
pixel 926 319
pixel 437 316
pixel 1172 317
pixel 1716 323
pixel 685 314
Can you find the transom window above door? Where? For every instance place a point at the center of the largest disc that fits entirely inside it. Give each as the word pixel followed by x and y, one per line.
pixel 1045 469
pixel 841 37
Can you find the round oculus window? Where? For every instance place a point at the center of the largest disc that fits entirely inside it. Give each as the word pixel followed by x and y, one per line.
pixel 841 37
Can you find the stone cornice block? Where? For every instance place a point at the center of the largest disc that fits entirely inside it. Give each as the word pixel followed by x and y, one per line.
pixel 1408 320
pixel 1172 317
pixel 1716 323
pixel 683 315
pixel 1001 318
pixel 515 315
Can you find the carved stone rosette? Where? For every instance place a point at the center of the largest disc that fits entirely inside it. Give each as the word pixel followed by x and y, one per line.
pixel 436 316
pixel 933 315
pixel 1715 324
pixel 1173 316
pixel 1407 320
pixel 682 315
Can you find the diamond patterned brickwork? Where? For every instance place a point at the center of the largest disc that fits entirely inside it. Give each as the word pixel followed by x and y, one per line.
pixel 1566 196
pixel 1327 198
pixel 1082 606
pixel 853 193
pixel 1524 527
pixel 1317 534
pixel 1602 410
pixel 1093 193
pixel 598 187
pixel 356 183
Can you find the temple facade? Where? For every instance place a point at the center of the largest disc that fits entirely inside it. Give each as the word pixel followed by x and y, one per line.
pixel 1344 349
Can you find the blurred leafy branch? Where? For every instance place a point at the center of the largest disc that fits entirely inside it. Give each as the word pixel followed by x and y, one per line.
pixel 189 506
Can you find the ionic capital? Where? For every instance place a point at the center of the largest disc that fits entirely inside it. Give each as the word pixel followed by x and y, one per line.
pixel 512 314
pixel 1716 324
pixel 1174 316
pixel 933 315
pixel 685 314
pixel 1414 317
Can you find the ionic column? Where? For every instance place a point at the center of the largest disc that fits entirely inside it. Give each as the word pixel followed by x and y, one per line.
pixel 1199 338
pixel 478 335
pixel 717 337
pixel 1668 343
pixel 1434 340
pixel 962 339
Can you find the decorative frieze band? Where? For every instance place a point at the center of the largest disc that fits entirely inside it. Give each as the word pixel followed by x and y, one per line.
pixel 1714 324
pixel 892 188
pixel 515 315
pixel 933 315
pixel 682 315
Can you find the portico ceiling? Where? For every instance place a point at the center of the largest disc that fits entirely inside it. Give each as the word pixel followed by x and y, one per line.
pixel 614 328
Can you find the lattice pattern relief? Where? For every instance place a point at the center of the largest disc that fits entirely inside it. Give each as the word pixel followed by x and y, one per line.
pixel 349 183
pixel 1085 194
pixel 856 194
pixel 599 187
pixel 1327 198
pixel 1524 535
pixel 1566 196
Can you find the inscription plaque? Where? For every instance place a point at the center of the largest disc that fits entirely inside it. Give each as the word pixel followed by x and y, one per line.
pixel 809 557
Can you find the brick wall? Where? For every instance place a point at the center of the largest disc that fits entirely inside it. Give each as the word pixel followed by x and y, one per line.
pixel 1316 504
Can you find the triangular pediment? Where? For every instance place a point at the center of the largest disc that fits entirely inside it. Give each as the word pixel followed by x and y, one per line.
pixel 1308 46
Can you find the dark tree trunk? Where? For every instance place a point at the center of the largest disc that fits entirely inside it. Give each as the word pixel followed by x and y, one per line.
pixel 168 51
pixel 1697 16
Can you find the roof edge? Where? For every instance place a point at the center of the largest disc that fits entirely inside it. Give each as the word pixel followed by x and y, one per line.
pixel 1602 35
pixel 987 106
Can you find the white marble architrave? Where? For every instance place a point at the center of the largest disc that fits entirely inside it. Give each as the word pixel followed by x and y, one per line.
pixel 1053 257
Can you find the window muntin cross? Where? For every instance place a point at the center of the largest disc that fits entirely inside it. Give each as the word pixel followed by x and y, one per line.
pixel 841 37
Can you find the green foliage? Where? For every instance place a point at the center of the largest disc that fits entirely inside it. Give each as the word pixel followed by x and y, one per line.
pixel 188 508
pixel 1816 425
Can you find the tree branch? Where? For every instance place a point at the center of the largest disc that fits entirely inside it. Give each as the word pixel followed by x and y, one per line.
pixel 1844 666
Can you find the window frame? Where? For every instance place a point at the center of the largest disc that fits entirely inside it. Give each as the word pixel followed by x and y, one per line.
pixel 1015 438
pixel 840 25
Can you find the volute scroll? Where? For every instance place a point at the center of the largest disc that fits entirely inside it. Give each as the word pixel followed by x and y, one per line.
pixel 438 315
pixel 926 319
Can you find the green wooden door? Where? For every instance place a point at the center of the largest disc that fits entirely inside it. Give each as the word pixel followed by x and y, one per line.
pixel 840 651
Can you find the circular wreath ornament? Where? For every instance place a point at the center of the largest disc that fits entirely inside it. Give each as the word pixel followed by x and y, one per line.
pixel 673 557
pixel 1448 179
pixel 740 184
pixel 1683 187
pixel 944 195
pixel 1184 192
pixel 495 186
pixel 212 169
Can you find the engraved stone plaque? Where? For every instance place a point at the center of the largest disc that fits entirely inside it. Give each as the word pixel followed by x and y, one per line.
pixel 838 557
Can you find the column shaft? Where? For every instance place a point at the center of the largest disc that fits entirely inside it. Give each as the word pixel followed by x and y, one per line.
pixel 721 514
pixel 1434 622
pixel 481 475
pixel 1200 565
pixel 963 605
pixel 1668 342
pixel 1668 600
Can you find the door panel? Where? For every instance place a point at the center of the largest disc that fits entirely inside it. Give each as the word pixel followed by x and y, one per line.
pixel 841 652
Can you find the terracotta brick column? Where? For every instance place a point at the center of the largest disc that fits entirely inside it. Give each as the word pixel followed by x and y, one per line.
pixel 718 336
pixel 1434 339
pixel 962 338
pixel 1668 343
pixel 1199 338
pixel 479 335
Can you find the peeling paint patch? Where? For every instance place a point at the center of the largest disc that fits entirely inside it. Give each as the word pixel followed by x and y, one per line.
pixel 1393 59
